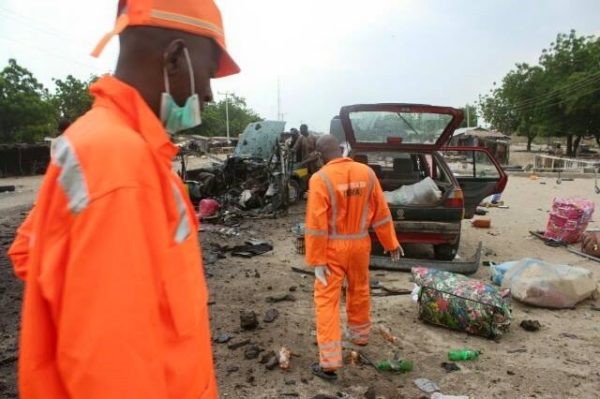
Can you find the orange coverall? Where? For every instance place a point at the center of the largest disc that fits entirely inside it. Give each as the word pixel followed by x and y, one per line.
pixel 115 299
pixel 344 200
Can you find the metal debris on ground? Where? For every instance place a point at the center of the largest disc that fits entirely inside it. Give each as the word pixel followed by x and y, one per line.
pixel 530 325
pixel 450 367
pixel 426 385
pixel 281 297
pixel 271 315
pixel 248 320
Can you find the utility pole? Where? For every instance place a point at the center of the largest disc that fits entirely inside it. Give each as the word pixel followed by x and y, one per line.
pixel 226 94
pixel 279 115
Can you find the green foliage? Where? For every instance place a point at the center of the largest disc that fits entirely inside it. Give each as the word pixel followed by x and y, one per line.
pixel 558 97
pixel 214 121
pixel 72 97
pixel 26 113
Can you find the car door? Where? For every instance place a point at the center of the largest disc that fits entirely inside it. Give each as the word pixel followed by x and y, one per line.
pixel 478 173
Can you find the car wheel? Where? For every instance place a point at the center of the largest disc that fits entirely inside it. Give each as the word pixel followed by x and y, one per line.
pixel 446 251
pixel 294 191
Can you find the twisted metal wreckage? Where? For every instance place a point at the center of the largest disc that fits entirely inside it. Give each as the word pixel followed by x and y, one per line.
pixel 256 181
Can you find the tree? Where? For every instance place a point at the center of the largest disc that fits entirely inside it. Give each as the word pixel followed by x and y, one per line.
pixel 26 114
pixel 471 114
pixel 559 97
pixel 214 121
pixel 72 98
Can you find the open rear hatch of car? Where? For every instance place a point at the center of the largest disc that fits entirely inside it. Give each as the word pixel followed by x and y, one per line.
pixel 406 127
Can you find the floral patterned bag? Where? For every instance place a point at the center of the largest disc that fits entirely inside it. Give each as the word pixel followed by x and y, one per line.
pixel 460 303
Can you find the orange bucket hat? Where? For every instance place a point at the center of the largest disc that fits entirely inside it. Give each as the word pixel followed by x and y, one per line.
pixel 200 17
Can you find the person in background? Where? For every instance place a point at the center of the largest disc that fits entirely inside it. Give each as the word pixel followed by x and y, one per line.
pixel 344 201
pixel 115 299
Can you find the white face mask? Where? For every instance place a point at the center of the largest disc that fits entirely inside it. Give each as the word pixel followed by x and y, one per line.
pixel 174 117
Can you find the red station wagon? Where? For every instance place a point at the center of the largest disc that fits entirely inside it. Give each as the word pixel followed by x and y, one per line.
pixel 404 144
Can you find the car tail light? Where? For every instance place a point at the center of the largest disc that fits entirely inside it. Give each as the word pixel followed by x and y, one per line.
pixel 455 199
pixel 394 140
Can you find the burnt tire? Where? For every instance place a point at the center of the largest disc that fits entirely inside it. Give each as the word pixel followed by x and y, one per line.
pixel 446 251
pixel 294 191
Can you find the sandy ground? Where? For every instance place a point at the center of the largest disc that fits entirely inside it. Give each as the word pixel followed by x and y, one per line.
pixel 545 364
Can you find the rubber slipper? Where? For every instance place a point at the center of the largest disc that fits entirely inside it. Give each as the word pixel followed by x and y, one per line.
pixel 319 372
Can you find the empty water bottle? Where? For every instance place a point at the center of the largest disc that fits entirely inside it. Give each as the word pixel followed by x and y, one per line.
pixel 463 354
pixel 401 366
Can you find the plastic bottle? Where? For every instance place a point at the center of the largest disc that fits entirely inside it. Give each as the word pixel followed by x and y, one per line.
pixel 401 366
pixel 463 354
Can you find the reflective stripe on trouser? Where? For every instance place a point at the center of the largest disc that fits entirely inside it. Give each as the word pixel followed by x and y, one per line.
pixel 350 260
pixel 359 334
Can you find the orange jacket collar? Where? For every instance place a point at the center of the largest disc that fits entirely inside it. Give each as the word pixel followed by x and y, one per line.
pixel 112 93
pixel 339 160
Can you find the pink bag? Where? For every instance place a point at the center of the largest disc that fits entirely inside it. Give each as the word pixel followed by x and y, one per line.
pixel 568 219
pixel 208 207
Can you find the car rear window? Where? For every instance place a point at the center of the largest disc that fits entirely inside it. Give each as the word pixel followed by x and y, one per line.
pixel 398 127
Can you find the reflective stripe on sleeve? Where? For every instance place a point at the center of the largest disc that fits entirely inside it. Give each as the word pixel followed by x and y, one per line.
pixel 183 226
pixel 333 200
pixel 71 177
pixel 381 222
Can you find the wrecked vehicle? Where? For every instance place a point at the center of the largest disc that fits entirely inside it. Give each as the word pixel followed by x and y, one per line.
pixel 403 145
pixel 255 178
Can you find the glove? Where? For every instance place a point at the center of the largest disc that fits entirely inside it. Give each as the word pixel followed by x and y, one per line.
pixel 397 253
pixel 321 273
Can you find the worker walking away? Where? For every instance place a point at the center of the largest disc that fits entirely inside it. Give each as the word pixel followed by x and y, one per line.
pixel 115 299
pixel 344 201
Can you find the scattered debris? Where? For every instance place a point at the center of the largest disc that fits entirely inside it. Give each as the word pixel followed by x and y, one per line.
pixel 264 359
pixel 271 315
pixel 232 369
pixel 584 255
pixel 272 363
pixel 530 325
pixel 450 367
pixel 248 320
pixel 284 358
pixel 437 395
pixel 482 223
pixel 371 393
pixel 208 207
pixel 237 345
pixel 281 297
pixel 594 306
pixel 517 350
pixel 354 358
pixel 386 333
pixel 481 212
pixel 366 360
pixel 223 338
pixel 396 365
pixel 252 352
pixel 510 372
pixel 303 271
pixel 463 354
pixel 289 381
pixel 568 335
pixel 426 385
pixel 7 189
pixel 251 249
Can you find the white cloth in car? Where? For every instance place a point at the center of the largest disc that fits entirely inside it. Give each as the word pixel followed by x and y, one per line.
pixel 425 192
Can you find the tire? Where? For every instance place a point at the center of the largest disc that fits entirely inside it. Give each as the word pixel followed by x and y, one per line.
pixel 446 251
pixel 294 191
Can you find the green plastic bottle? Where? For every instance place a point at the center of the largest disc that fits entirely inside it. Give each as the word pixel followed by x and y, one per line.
pixel 400 366
pixel 463 354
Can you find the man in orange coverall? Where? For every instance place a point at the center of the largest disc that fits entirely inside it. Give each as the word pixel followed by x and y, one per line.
pixel 344 200
pixel 115 298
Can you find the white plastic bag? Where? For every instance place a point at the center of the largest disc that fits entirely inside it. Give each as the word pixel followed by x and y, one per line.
pixel 544 284
pixel 425 192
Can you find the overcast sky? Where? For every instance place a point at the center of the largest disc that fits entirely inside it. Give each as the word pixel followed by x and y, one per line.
pixel 326 53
